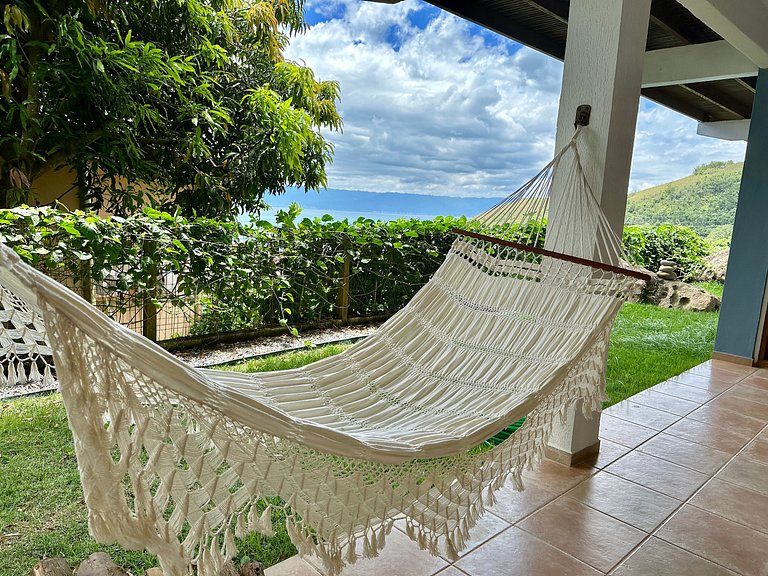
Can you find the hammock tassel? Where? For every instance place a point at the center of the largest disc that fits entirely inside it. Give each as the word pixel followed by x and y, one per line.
pixel 410 530
pixel 241 526
pixel 368 549
pixel 351 556
pixel 34 374
pixel 12 378
pixel 230 548
pixel 265 522
pixel 517 480
pixel 450 549
pixel 381 537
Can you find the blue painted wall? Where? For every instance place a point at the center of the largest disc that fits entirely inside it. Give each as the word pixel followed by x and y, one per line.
pixel 737 333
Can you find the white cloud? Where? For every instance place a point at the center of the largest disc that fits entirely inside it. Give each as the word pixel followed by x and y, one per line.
pixel 667 147
pixel 449 113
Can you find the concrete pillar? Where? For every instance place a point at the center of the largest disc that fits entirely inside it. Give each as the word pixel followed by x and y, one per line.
pixel 603 68
pixel 740 328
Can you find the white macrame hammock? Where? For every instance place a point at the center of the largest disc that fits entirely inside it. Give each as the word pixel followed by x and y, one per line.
pixel 174 460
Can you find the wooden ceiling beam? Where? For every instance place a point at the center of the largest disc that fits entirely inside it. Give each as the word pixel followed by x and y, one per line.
pixel 742 24
pixel 695 63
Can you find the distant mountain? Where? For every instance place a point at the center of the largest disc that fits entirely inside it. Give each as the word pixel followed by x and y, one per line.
pixel 351 203
pixel 705 201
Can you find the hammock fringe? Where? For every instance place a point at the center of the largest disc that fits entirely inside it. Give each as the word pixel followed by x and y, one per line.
pixel 178 461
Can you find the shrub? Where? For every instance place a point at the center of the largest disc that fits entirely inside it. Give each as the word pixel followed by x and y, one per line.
pixel 648 246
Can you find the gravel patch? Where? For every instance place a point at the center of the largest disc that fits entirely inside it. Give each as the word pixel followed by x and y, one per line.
pixel 227 353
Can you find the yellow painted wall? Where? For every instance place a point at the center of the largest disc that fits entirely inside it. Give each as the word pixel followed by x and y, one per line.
pixel 55 184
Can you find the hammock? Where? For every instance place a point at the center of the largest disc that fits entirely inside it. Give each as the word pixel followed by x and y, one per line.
pixel 174 460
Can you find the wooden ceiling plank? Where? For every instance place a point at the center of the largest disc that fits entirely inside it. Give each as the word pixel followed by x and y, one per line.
pixel 504 24
pixel 552 8
pixel 720 98
pixel 748 83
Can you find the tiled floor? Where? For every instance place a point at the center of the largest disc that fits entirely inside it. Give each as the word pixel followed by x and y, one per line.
pixel 680 488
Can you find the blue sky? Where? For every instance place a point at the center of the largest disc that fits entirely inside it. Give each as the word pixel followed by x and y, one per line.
pixel 433 104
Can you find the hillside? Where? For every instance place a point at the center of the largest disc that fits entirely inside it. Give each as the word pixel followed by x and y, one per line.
pixel 705 201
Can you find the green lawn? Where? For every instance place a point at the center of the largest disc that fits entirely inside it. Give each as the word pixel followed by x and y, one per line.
pixel 650 345
pixel 41 506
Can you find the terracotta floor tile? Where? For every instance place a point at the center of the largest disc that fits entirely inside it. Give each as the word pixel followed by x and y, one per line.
pixel 725 439
pixel 748 392
pixel 657 474
pixel 517 553
pixel 720 366
pixel 584 533
pixel 686 392
pixel 640 414
pixel 717 414
pixel 658 558
pixel 609 452
pixel 758 380
pixel 742 406
pixel 293 566
pixel 661 401
pixel 631 503
pixel 757 449
pixel 451 571
pixel 555 477
pixel 735 503
pixel 704 382
pixel 685 453
pixel 724 542
pixel 512 505
pixel 401 556
pixel 486 528
pixel 747 473
pixel 624 432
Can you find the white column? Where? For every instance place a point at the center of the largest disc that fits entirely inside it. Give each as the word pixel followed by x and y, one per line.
pixel 603 68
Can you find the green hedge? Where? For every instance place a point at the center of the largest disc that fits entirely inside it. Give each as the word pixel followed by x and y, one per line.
pixel 649 245
pixel 238 276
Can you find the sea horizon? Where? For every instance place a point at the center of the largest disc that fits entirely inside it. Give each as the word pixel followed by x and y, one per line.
pixel 384 206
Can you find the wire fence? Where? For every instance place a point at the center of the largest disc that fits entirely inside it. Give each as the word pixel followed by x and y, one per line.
pixel 171 279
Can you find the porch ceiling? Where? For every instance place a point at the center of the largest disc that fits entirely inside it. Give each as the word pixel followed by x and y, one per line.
pixel 543 25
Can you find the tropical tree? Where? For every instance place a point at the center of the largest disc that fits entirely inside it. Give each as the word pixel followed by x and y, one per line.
pixel 184 103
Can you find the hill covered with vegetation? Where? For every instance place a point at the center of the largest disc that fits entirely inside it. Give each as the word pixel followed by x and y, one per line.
pixel 705 201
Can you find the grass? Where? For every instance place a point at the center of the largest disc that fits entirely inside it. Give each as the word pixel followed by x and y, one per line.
pixel 288 360
pixel 714 288
pixel 690 180
pixel 42 512
pixel 650 345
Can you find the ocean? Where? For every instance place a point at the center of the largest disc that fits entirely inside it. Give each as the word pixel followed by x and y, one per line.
pixel 351 205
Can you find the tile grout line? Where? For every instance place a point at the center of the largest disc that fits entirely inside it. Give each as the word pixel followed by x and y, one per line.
pixel 653 533
pixel 687 501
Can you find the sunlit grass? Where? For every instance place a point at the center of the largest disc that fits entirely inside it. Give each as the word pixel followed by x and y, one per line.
pixel 651 344
pixel 714 288
pixel 288 360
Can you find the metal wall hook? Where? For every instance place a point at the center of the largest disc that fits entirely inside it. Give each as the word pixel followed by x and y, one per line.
pixel 583 113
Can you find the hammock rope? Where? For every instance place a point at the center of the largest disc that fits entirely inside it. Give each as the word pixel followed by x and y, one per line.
pixel 175 460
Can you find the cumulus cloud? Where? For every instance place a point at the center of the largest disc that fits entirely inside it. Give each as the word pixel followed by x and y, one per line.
pixel 433 105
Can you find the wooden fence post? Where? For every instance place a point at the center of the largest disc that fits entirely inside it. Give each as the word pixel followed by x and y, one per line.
pixel 86 283
pixel 342 298
pixel 149 308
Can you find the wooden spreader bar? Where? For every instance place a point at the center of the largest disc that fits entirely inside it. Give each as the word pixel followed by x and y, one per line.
pixel 558 255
